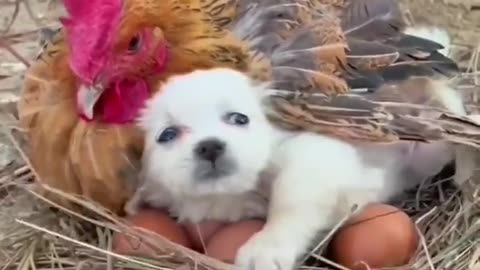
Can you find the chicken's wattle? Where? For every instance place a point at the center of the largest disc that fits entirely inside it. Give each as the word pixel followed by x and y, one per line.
pixel 121 102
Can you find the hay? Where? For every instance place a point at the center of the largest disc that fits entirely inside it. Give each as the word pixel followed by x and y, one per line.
pixel 37 234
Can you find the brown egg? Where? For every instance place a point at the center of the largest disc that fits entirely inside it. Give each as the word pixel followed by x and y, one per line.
pixel 380 236
pixel 225 243
pixel 201 233
pixel 155 221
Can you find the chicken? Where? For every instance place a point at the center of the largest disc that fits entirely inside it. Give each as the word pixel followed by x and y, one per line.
pixel 82 95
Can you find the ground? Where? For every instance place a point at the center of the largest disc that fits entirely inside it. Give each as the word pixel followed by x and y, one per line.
pixel 461 18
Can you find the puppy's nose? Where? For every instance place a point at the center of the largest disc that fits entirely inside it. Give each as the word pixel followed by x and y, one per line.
pixel 210 149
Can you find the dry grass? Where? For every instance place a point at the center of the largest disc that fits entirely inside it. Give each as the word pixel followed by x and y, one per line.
pixel 37 234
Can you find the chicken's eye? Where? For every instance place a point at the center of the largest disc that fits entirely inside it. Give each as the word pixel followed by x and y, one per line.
pixel 134 44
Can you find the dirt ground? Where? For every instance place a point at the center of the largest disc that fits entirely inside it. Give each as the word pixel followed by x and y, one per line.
pixel 22 36
pixel 461 18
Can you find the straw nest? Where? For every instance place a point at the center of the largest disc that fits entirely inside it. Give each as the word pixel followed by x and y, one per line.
pixel 37 234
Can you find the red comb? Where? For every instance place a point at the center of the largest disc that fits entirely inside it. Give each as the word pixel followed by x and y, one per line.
pixel 90 27
pixel 83 8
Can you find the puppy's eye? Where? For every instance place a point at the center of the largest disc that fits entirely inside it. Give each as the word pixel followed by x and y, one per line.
pixel 235 118
pixel 168 135
pixel 134 44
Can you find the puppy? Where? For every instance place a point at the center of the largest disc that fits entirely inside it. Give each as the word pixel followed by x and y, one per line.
pixel 211 154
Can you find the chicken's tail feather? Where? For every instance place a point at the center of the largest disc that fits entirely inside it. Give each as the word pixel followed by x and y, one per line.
pixel 315 46
pixel 355 118
pixel 379 41
pixel 305 45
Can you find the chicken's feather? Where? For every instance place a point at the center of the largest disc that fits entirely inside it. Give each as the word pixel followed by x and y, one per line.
pixel 99 18
pixel 354 118
pixel 331 46
pixel 305 47
pixel 371 20
pixel 377 26
pixel 418 109
pixel 219 12
pixel 362 48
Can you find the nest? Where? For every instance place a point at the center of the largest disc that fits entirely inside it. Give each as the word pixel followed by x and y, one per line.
pixel 38 234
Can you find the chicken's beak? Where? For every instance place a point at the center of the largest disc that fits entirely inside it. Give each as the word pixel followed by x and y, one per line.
pixel 87 97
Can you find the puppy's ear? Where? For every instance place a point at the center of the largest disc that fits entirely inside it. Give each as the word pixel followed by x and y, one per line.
pixel 260 88
pixel 147 113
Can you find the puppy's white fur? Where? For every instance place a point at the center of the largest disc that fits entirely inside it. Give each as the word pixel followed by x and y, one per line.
pixel 303 183
pixel 197 102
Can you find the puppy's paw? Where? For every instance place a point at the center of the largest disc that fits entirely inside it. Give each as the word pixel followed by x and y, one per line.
pixel 132 207
pixel 267 251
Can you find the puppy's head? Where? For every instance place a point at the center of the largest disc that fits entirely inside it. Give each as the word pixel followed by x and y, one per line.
pixel 206 134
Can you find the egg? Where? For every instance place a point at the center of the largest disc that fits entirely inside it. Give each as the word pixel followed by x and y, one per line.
pixel 380 236
pixel 224 244
pixel 201 233
pixel 155 221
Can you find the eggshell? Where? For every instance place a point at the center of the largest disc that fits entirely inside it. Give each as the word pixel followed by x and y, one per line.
pixel 379 236
pixel 226 242
pixel 202 232
pixel 153 220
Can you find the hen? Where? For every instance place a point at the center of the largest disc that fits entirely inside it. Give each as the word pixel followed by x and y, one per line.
pixel 83 93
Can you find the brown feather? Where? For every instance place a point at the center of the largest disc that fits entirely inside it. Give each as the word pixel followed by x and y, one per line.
pixel 313 46
pixel 220 12
pixel 411 110
pixel 365 55
pixel 371 20
pixel 374 32
pixel 306 47
pixel 330 46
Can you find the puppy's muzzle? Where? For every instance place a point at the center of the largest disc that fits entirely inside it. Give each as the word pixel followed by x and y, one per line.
pixel 210 149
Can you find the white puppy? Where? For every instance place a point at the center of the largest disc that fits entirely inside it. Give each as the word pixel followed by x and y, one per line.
pixel 210 153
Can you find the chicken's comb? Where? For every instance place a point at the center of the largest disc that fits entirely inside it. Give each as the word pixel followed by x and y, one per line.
pixel 90 27
pixel 79 9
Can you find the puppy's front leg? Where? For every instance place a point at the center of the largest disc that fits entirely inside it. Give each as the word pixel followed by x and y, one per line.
pixel 149 193
pixel 134 204
pixel 293 221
